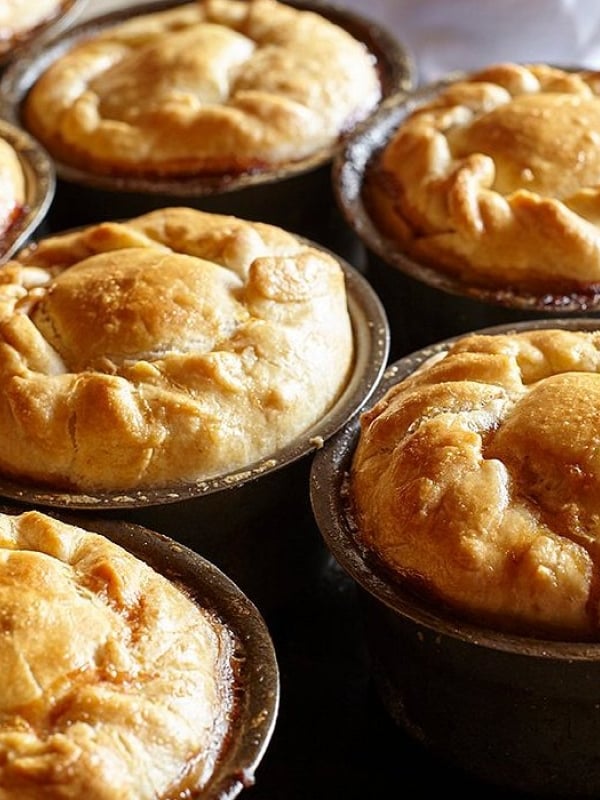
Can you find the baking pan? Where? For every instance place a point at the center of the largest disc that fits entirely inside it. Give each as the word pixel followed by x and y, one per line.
pixel 297 196
pixel 515 712
pixel 254 523
pixel 256 670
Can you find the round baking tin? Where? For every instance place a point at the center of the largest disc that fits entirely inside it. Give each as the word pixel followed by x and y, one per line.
pixel 449 306
pixel 258 694
pixel 255 523
pixel 296 196
pixel 512 711
pixel 12 47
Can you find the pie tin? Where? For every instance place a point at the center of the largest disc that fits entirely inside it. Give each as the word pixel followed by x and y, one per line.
pixel 512 711
pixel 449 306
pixel 14 46
pixel 256 523
pixel 257 692
pixel 40 185
pixel 297 196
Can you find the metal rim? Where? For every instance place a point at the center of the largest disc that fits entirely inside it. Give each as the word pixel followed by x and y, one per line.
pixel 328 476
pixel 372 345
pixel 65 14
pixel 258 700
pixel 394 62
pixel 350 165
pixel 40 184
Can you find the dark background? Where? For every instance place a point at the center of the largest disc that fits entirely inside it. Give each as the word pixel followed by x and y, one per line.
pixel 333 738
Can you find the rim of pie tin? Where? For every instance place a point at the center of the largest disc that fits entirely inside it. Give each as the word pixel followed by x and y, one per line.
pixel 209 587
pixel 371 337
pixel 351 163
pixel 396 66
pixel 329 473
pixel 12 47
pixel 40 185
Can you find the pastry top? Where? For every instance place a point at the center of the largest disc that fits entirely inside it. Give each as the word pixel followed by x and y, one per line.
pixel 477 480
pixel 18 18
pixel 174 347
pixel 495 179
pixel 12 187
pixel 213 86
pixel 115 683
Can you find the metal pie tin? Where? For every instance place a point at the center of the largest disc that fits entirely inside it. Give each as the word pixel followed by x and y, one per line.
pixel 513 711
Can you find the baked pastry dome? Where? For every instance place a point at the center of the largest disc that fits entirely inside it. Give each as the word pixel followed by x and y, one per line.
pixel 476 480
pixel 174 347
pixel 12 187
pixel 115 682
pixel 494 179
pixel 207 87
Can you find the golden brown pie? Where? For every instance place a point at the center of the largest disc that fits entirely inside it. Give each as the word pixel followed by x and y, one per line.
pixel 114 683
pixel 495 179
pixel 177 346
pixel 477 479
pixel 213 86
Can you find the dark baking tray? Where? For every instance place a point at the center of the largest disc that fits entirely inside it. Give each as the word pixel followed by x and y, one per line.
pixel 333 738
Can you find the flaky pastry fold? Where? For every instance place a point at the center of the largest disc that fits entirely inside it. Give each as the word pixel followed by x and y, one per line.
pixel 171 348
pixel 477 480
pixel 495 179
pixel 212 86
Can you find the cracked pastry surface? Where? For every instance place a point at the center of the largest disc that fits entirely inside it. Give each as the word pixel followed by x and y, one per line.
pixel 495 179
pixel 173 347
pixel 213 86
pixel 126 682
pixel 477 479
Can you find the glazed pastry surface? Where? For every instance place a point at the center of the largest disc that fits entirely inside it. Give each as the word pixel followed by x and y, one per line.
pixel 114 682
pixel 174 347
pixel 495 179
pixel 477 479
pixel 214 86
pixel 12 187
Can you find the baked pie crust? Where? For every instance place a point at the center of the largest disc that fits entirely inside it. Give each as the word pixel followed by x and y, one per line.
pixel 174 347
pixel 208 87
pixel 115 684
pixel 495 179
pixel 477 480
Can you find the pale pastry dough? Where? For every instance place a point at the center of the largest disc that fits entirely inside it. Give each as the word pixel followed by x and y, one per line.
pixel 12 187
pixel 477 479
pixel 114 683
pixel 214 86
pixel 174 347
pixel 496 179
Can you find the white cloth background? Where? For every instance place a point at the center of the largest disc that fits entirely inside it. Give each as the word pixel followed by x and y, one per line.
pixel 446 35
